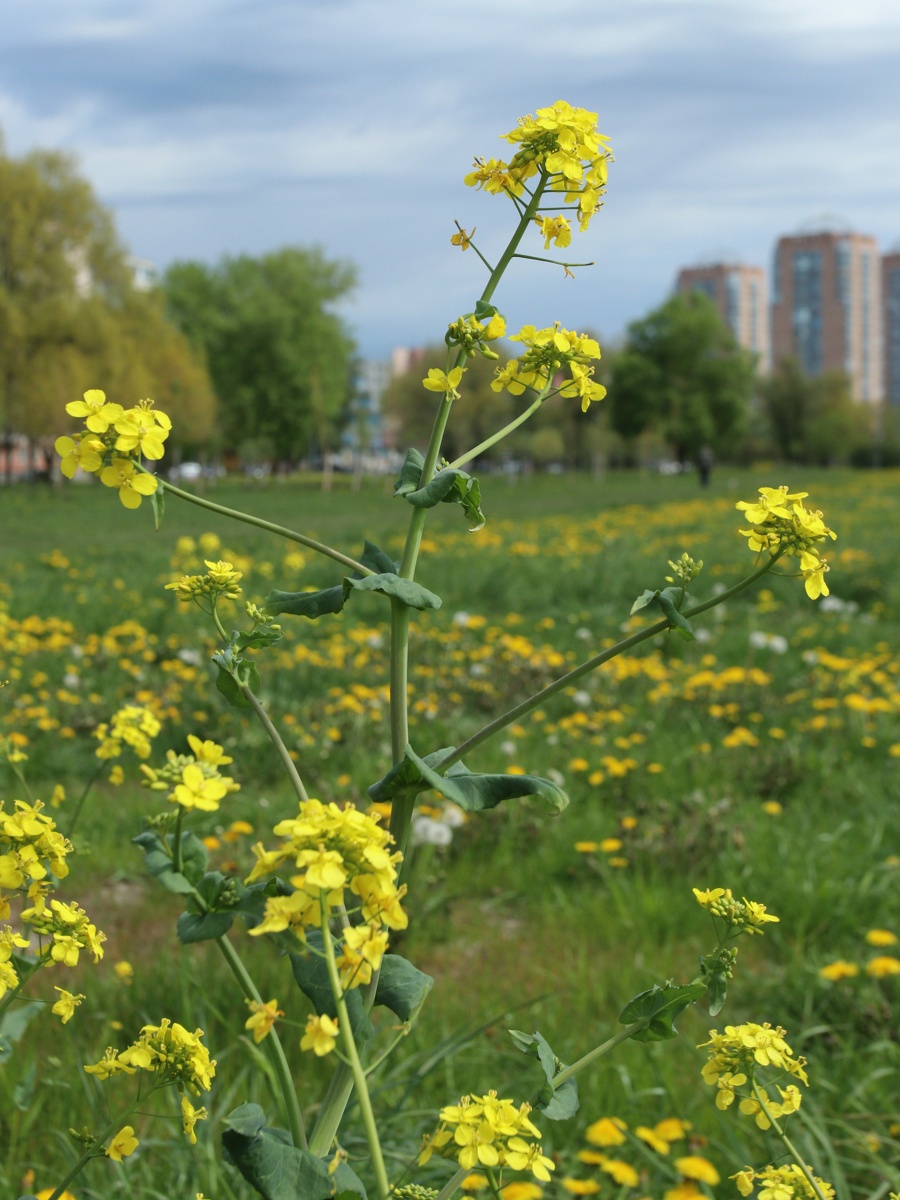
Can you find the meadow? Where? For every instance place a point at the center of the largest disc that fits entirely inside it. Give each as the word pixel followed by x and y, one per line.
pixel 763 757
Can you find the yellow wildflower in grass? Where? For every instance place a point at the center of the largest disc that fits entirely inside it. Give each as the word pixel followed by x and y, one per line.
pixel 881 937
pixel 883 966
pixel 169 1052
pixel 837 970
pixel 734 1059
pixel 65 931
pixel 693 1166
pixel 587 847
pixel 652 1138
pixel 46 1193
pixel 522 1189
pixel 474 1182
pixel 65 1006
pixel 686 1190
pixel 622 1172
pixel 672 1129
pixel 608 1131
pixel 262 1018
pixel 780 1183
pixel 321 1035
pixel 490 1132
pixel 123 1144
pixel 581 1187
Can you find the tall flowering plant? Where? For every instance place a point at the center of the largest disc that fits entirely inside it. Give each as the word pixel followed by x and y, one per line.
pixel 331 891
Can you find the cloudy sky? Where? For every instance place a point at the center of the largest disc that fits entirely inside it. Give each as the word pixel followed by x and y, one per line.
pixel 217 127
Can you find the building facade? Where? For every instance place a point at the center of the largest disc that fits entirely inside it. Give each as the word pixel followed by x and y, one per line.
pixel 739 294
pixel 890 325
pixel 826 307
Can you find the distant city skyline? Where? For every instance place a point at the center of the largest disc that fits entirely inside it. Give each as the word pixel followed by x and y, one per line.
pixel 215 127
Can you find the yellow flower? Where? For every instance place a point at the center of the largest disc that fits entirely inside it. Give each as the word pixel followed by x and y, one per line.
pixel 438 381
pixel 881 937
pixel 695 1167
pixel 123 1144
pixel 139 430
pixel 839 969
pixel 556 230
pixel 262 1018
pixel 610 845
pixel 652 1138
pixel 189 1118
pixel 671 1129
pixel 124 970
pixel 94 407
pixel 606 1132
pixel 462 239
pixel 622 1172
pixel 581 1187
pixel 522 1189
pixel 65 1006
pixel 474 1182
pixel 46 1193
pixel 133 485
pixel 198 791
pixel 587 847
pixel 84 452
pixel 320 1036
pixel 882 966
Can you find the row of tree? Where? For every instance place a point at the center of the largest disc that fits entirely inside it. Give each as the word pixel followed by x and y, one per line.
pixel 680 386
pixel 245 356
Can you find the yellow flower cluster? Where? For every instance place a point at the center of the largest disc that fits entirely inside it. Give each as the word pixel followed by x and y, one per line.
pixel 781 524
pixel 336 851
pixel 221 580
pixel 193 780
pixel 169 1052
pixel 134 726
pixel 67 929
pixel 473 335
pixel 780 1183
pixel 489 1132
pixel 563 144
pixel 741 916
pixel 548 351
pixel 114 442
pixel 734 1059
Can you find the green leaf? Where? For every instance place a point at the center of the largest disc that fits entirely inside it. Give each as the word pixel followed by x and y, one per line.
pixel 668 601
pixel 660 1006
pixel 716 990
pixel 643 600
pixel 410 473
pixel 235 672
pixel 413 595
pixel 306 604
pixel 158 504
pixel 260 638
pixel 311 975
pixel 376 560
pixel 401 987
pixel 159 863
pixel 556 1103
pixel 484 310
pixel 203 927
pixel 277 1169
pixel 473 793
pixel 452 486
pixel 13 1024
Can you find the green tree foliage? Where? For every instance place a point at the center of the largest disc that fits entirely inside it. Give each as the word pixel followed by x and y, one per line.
pixel 70 317
pixel 682 374
pixel 279 358
pixel 813 419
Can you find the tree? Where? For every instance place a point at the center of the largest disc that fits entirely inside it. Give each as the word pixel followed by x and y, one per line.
pixel 682 374
pixel 279 357
pixel 813 418
pixel 477 413
pixel 70 316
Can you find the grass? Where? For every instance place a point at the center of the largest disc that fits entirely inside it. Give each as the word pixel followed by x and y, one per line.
pixel 739 765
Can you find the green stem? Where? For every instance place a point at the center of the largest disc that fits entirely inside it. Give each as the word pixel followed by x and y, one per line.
pixel 507 429
pixel 592 664
pixel 177 861
pixel 96 1149
pixel 79 803
pixel 604 1048
pixel 279 745
pixel 788 1144
pixel 270 527
pixel 359 1075
pixel 453 1184
pixel 554 262
pixel 273 1045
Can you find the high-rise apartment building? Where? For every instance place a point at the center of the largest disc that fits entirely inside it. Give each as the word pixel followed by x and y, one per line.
pixel 890 325
pixel 739 294
pixel 826 307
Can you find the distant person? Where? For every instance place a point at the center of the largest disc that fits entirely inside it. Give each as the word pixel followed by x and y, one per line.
pixel 706 460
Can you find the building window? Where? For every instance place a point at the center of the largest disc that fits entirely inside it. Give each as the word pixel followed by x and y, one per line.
pixel 807 312
pixel 892 333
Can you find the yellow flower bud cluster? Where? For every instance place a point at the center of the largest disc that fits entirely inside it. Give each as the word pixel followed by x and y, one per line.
pixel 781 524
pixel 193 780
pixel 169 1052
pixel 343 860
pixel 684 568
pixel 561 143
pixel 220 580
pixel 741 916
pixel 489 1132
pixel 473 335
pixel 735 1058
pixel 113 443
pixel 549 351
pixel 780 1183
pixel 132 726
